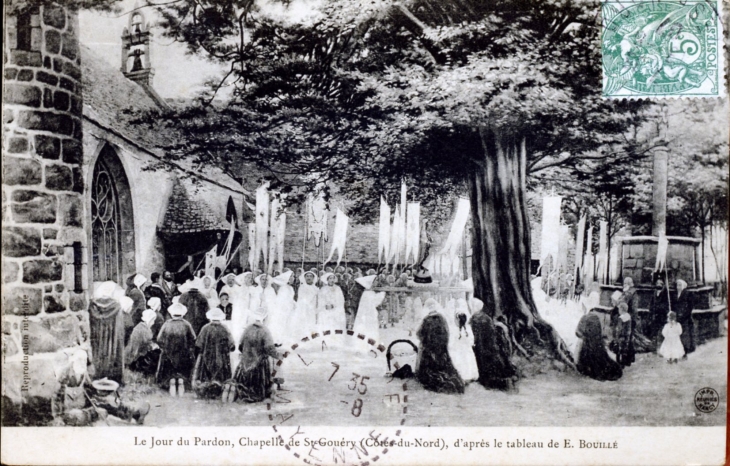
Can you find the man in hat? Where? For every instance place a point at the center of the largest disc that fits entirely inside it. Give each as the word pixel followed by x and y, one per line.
pixel 253 374
pixel 142 353
pixel 196 304
pixel 307 303
pixel 177 341
pixel 169 286
pixel 214 346
pixel 106 324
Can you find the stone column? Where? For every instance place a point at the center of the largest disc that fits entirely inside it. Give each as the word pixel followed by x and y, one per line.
pixel 45 274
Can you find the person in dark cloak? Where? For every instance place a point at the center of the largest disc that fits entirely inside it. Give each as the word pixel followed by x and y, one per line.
pixel 197 306
pixel 225 305
pixel 155 290
pixel 134 291
pixel 435 370
pixel 142 353
pixel 106 325
pixel 492 349
pixel 593 359
pixel 623 341
pixel 253 374
pixel 213 365
pixel 155 304
pixel 658 310
pixel 631 298
pixel 682 305
pixel 177 342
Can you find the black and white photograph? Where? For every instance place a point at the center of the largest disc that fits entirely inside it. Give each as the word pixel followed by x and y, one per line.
pixel 365 232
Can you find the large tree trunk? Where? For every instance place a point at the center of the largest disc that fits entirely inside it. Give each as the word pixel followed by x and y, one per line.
pixel 501 245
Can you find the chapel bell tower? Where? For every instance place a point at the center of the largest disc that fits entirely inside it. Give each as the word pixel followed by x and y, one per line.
pixel 136 49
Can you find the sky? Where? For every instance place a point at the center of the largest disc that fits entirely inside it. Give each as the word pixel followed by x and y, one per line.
pixel 176 73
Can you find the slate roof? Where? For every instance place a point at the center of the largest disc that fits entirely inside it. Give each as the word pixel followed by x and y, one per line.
pixel 108 96
pixel 187 214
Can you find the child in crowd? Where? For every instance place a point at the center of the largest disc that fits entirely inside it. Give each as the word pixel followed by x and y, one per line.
pixel 225 305
pixel 177 341
pixel 672 349
pixel 214 346
pixel 623 337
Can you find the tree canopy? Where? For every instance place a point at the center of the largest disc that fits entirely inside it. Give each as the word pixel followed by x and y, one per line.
pixel 364 94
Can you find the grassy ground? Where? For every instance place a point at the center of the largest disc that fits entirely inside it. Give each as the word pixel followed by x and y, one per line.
pixel 651 393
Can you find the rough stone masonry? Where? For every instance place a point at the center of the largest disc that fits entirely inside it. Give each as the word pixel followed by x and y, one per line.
pixel 45 276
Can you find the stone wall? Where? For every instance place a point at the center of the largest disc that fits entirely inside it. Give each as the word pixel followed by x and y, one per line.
pixel 45 277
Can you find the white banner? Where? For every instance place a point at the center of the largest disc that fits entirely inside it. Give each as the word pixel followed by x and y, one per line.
pixel 550 237
pixel 317 213
pixel 452 247
pixel 384 231
pixel 251 244
pixel 413 232
pixel 579 246
pixel 262 225
pixel 273 233
pixel 339 236
pixel 661 253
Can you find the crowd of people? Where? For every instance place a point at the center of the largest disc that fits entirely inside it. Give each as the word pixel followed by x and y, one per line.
pixel 219 337
pixel 609 341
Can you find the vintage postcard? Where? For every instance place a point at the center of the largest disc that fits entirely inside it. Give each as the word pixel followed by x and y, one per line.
pixel 363 232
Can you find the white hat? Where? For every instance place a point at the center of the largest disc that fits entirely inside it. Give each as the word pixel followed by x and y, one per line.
pixel 224 278
pixel 476 305
pixel 177 310
pixel 326 277
pixel 366 282
pixel 283 278
pixel 139 280
pixel 126 303
pixel 105 290
pixel 154 303
pixel 241 278
pixel 149 316
pixel 215 314
pixel 258 279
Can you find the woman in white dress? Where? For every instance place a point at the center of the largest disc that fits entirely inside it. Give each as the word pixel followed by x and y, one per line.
pixel 331 305
pixel 366 319
pixel 208 290
pixel 306 305
pixel 282 308
pixel 460 345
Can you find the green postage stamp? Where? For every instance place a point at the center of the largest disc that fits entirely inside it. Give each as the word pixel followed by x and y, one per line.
pixel 662 49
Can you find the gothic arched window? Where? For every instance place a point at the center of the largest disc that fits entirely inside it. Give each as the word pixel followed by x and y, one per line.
pixel 105 225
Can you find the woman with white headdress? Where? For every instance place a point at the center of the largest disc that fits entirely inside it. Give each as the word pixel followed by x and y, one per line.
pixel 306 312
pixel 366 319
pixel 208 291
pixel 265 296
pixel 240 299
pixel 231 287
pixel 106 323
pixel 331 305
pixel 282 309
pixel 142 353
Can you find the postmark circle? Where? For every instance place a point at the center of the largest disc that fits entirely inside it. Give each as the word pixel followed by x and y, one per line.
pixel 707 400
pixel 342 375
